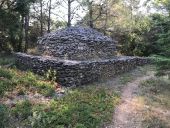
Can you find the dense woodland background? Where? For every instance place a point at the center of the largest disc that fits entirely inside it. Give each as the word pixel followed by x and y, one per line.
pixel 137 31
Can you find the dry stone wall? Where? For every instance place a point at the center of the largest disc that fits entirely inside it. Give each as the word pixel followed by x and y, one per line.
pixel 77 73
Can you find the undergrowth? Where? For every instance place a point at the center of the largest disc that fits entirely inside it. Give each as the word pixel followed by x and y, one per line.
pixel 162 65
pixel 80 108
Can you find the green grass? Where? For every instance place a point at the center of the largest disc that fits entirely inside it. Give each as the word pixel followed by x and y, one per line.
pixel 6 59
pixel 157 95
pixel 83 107
pixel 125 78
pixel 161 62
pixel 4 116
pixel 157 90
pixel 11 78
pixel 88 108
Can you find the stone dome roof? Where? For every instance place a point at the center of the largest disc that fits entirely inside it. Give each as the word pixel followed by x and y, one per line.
pixel 80 43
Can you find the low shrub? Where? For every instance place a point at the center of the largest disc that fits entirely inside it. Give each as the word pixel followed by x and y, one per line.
pixel 85 108
pixel 161 62
pixel 5 85
pixel 5 73
pixel 6 59
pixel 4 116
pixel 22 110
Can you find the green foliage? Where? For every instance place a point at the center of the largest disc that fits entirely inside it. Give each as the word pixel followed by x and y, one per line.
pixel 9 29
pixel 5 85
pixel 22 110
pixel 162 64
pixel 10 78
pixel 85 108
pixel 157 37
pixel 151 36
pixel 29 80
pixel 6 60
pixel 80 108
pixel 125 78
pixel 133 44
pixel 23 6
pixel 6 80
pixel 51 75
pixel 4 116
pixel 4 73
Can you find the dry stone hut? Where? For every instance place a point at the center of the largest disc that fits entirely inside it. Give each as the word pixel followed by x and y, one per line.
pixel 79 56
pixel 77 43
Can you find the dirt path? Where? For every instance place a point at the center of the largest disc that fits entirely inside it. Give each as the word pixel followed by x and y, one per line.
pixel 127 113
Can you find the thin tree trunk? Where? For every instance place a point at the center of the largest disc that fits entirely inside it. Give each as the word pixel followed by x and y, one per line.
pixel 69 14
pixel 49 17
pixel 90 14
pixel 21 35
pixel 106 17
pixel 26 32
pixel 41 18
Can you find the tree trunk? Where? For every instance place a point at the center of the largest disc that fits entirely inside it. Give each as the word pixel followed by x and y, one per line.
pixel 69 14
pixel 49 17
pixel 106 17
pixel 90 14
pixel 26 32
pixel 41 18
pixel 21 34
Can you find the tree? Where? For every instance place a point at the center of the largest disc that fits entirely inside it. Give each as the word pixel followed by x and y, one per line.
pixel 163 5
pixel 95 10
pixel 49 16
pixel 9 26
pixel 23 7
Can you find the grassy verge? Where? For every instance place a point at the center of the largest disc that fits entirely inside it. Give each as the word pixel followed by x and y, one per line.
pixel 83 107
pixel 156 92
pixel 162 65
pixel 6 60
pixel 80 108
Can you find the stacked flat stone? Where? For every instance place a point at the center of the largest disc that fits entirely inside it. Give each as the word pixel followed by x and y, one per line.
pixel 78 73
pixel 77 43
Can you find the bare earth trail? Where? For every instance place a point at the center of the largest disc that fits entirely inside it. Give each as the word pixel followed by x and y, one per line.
pixel 128 114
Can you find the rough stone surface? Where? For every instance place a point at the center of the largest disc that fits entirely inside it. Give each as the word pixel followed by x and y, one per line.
pixel 77 73
pixel 77 43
